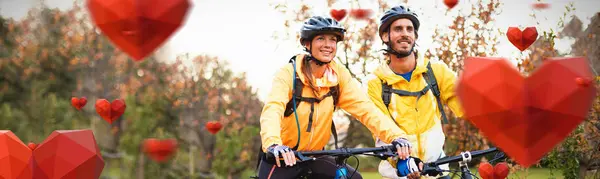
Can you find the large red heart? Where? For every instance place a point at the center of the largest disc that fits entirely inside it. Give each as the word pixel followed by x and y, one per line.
pixel 522 40
pixel 159 150
pixel 110 111
pixel 338 14
pixel 526 118
pixel 451 3
pixel 138 27
pixel 67 154
pixel 78 103
pixel 213 126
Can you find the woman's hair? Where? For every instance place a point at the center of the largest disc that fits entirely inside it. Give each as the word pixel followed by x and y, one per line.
pixel 308 74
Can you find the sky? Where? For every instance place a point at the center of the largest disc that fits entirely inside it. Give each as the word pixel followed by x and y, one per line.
pixel 240 31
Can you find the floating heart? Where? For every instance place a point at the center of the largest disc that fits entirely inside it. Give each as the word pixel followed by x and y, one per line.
pixel 501 170
pixel 486 170
pixel 526 118
pixel 110 111
pixel 451 3
pixel 338 14
pixel 522 40
pixel 361 13
pixel 213 126
pixel 78 103
pixel 540 5
pixel 31 145
pixel 159 150
pixel 138 27
pixel 63 155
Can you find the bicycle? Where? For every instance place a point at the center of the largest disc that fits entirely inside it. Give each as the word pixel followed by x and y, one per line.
pixel 341 155
pixel 433 169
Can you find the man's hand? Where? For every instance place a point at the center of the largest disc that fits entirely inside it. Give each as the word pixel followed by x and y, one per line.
pixel 287 154
pixel 403 147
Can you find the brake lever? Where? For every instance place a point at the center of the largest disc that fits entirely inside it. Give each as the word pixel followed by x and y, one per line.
pixel 303 158
pixel 431 170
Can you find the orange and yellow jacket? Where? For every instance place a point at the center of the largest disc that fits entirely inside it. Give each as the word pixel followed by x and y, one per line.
pixel 277 129
pixel 420 119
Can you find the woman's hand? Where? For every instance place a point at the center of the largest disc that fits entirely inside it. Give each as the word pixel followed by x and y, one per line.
pixel 287 154
pixel 403 147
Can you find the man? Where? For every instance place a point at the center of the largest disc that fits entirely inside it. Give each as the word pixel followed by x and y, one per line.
pixel 409 92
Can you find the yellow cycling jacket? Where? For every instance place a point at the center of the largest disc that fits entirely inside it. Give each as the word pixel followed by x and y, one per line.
pixel 277 129
pixel 420 119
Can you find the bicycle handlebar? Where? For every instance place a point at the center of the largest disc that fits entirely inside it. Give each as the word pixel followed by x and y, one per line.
pixel 381 152
pixel 432 168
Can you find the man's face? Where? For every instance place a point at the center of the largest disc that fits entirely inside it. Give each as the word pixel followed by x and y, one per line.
pixel 402 35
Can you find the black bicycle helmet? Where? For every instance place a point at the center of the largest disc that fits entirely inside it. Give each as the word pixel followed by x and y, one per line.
pixel 396 13
pixel 317 25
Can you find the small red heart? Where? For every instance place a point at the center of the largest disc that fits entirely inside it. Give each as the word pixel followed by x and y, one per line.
pixel 522 40
pixel 138 27
pixel 110 111
pixel 159 150
pixel 338 14
pixel 78 103
pixel 501 170
pixel 213 126
pixel 31 145
pixel 517 113
pixel 486 170
pixel 583 82
pixel 361 13
pixel 540 5
pixel 451 3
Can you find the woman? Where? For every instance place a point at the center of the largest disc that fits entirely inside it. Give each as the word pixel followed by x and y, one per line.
pixel 304 122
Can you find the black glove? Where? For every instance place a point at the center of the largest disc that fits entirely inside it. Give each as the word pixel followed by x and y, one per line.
pixel 401 142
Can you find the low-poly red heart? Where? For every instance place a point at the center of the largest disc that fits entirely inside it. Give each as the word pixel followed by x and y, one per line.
pixel 70 154
pixel 213 126
pixel 501 170
pixel 138 27
pixel 110 111
pixel 78 103
pixel 338 14
pixel 522 40
pixel 526 118
pixel 486 170
pixel 160 150
pixel 451 3
pixel 361 13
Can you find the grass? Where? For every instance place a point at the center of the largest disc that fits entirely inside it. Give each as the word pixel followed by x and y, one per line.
pixel 531 173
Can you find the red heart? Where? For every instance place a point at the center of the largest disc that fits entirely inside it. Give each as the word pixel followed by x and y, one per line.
pixel 540 5
pixel 78 103
pixel 526 118
pixel 522 40
pixel 486 171
pixel 110 111
pixel 138 27
pixel 63 155
pixel 361 13
pixel 338 14
pixel 31 145
pixel 213 126
pixel 501 170
pixel 159 150
pixel 451 3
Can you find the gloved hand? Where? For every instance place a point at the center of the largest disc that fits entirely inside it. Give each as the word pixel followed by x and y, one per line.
pixel 409 168
pixel 403 147
pixel 286 153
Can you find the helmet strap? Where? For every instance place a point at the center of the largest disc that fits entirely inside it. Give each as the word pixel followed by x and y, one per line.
pixel 311 56
pixel 394 52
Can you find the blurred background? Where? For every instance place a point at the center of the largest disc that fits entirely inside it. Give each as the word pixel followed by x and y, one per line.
pixel 218 67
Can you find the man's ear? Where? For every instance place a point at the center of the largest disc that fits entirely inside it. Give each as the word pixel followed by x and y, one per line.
pixel 385 37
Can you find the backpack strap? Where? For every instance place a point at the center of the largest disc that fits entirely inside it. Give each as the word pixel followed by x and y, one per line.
pixel 435 89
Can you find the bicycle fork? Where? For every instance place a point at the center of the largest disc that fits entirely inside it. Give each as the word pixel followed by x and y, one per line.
pixel 464 167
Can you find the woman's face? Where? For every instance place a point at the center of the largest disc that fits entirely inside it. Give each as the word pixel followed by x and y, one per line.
pixel 323 47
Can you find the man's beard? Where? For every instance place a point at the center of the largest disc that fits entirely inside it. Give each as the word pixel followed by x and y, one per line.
pixel 403 52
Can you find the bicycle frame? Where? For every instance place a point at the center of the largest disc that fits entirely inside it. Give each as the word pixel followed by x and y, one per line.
pixel 342 154
pixel 463 159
